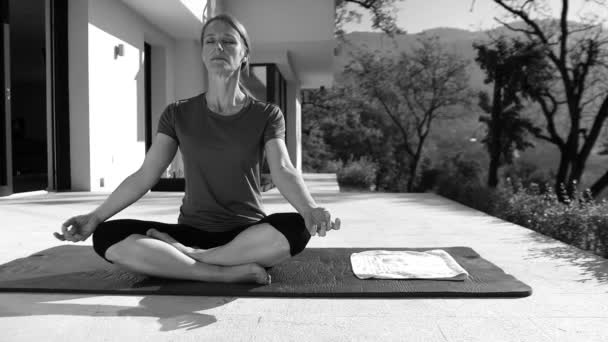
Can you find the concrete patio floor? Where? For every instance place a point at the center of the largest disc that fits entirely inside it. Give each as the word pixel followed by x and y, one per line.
pixel 569 300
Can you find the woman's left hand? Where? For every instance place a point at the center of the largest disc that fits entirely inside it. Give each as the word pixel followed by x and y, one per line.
pixel 319 220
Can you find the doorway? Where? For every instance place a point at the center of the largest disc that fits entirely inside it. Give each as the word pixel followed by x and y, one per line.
pixel 33 64
pixel 24 124
pixel 28 95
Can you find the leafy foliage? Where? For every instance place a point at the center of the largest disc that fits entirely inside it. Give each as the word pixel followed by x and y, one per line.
pixel 413 91
pixel 516 70
pixel 383 15
pixel 579 55
pixel 359 173
pixel 581 222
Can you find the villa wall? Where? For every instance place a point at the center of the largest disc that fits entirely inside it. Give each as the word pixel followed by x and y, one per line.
pixel 107 92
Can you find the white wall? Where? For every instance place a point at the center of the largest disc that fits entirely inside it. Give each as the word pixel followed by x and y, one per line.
pixel 78 40
pixel 116 89
pixel 107 109
pixel 190 76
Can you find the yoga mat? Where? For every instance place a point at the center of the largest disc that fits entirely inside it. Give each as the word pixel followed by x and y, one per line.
pixel 316 272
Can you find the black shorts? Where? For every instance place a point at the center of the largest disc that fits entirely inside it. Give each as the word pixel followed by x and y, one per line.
pixel 110 232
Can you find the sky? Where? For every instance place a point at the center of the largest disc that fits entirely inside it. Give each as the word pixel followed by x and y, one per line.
pixel 417 15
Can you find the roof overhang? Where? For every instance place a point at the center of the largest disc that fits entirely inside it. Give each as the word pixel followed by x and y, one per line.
pixel 181 19
pixel 297 35
pixel 301 30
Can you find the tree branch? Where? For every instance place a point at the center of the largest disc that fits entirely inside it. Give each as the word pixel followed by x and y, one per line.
pixel 513 28
pixel 549 115
pixel 396 121
pixel 596 128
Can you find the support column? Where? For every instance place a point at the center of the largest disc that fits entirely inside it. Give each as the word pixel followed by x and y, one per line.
pixel 294 123
pixel 78 56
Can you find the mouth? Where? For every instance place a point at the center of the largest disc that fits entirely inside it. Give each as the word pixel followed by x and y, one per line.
pixel 220 58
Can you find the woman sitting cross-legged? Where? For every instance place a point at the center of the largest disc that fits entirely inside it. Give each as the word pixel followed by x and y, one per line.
pixel 222 233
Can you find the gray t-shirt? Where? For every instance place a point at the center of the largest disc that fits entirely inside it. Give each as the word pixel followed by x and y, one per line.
pixel 222 160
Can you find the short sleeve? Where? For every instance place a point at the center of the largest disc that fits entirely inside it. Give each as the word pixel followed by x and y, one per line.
pixel 166 123
pixel 275 126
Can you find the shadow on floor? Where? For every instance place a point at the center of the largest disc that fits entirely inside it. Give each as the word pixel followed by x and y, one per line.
pixel 594 267
pixel 173 312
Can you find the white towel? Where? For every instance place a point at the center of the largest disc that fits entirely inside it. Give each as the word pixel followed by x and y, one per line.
pixel 434 264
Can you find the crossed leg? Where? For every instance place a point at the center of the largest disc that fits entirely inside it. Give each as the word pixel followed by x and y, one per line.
pixel 261 244
pixel 143 254
pixel 240 260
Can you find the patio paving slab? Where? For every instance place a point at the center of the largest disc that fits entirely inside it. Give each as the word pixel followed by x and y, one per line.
pixel 569 300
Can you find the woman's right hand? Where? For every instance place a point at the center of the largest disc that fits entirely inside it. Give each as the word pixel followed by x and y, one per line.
pixel 82 227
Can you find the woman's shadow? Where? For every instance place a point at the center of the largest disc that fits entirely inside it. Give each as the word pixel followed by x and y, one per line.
pixel 173 312
pixel 73 281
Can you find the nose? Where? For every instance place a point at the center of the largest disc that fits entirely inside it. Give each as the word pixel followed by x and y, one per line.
pixel 220 45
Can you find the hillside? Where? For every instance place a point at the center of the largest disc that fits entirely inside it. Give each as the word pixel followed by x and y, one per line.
pixel 448 137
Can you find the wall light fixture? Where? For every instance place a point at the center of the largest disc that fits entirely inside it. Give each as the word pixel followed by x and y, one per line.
pixel 119 50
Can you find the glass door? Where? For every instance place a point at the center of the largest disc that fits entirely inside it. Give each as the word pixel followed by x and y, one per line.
pixel 6 186
pixel 28 92
pixel 34 112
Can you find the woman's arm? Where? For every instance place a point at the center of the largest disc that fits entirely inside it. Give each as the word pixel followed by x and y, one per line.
pixel 136 185
pixel 286 177
pixel 291 185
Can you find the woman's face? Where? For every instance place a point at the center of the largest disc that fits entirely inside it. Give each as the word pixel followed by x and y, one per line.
pixel 223 49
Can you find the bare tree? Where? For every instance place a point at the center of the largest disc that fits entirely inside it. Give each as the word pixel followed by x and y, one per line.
pixel 414 91
pixel 581 64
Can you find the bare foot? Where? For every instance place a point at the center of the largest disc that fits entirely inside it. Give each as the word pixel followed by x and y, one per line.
pixel 195 252
pixel 248 273
pixel 240 273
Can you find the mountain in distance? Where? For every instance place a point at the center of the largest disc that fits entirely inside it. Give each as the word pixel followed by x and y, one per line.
pixel 457 133
pixel 457 40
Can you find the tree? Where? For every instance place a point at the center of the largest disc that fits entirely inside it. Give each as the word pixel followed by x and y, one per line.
pixel 383 15
pixel 333 127
pixel 413 90
pixel 581 65
pixel 508 67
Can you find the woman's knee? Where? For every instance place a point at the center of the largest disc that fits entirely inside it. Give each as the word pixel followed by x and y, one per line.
pixel 292 225
pixel 123 250
pixel 109 233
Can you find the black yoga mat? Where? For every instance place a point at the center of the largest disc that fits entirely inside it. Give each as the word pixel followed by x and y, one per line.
pixel 316 272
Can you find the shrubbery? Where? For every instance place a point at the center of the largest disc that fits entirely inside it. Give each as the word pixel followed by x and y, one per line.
pixel 520 198
pixel 359 173
pixel 580 222
pixel 527 173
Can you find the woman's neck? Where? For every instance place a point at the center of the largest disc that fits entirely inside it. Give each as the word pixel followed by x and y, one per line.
pixel 224 95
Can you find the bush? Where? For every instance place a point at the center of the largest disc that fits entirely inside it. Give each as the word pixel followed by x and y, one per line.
pixel 358 174
pixel 427 177
pixel 581 222
pixel 460 180
pixel 528 173
pixel 332 166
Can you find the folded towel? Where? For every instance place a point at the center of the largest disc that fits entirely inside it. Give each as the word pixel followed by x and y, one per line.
pixel 434 264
